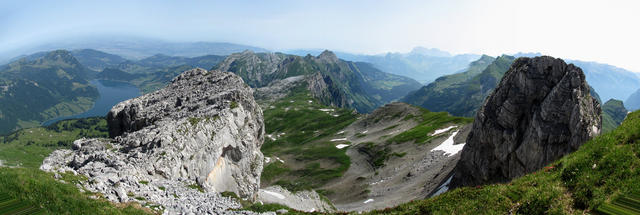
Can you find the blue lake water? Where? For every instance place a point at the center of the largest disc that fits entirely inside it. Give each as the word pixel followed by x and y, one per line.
pixel 111 93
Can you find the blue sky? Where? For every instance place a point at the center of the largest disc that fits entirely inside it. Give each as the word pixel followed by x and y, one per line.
pixel 603 31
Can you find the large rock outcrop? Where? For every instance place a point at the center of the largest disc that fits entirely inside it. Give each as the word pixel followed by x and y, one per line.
pixel 540 111
pixel 202 130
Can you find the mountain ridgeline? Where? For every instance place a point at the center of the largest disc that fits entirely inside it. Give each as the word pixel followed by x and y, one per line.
pixel 332 81
pixel 633 102
pixel 421 64
pixel 462 94
pixel 46 87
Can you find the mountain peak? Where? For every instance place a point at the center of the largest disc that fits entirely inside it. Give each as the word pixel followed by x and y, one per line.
pixel 430 52
pixel 328 55
pixel 62 55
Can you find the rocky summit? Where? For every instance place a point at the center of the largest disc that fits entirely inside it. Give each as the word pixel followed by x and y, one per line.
pixel 540 111
pixel 201 133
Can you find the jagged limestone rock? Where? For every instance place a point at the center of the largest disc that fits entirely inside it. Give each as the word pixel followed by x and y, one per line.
pixel 202 130
pixel 540 111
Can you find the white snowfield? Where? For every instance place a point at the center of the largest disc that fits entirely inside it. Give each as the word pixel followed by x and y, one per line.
pixel 341 146
pixel 277 195
pixel 339 139
pixel 440 131
pixel 448 147
pixel 368 201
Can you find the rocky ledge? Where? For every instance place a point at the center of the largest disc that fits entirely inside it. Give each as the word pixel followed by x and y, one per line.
pixel 540 111
pixel 177 147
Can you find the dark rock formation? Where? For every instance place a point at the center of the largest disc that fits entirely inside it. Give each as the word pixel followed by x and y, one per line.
pixel 540 111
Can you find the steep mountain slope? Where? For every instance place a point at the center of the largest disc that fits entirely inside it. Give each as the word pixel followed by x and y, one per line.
pixel 540 111
pixel 159 61
pixel 633 102
pixel 331 80
pixel 609 81
pixel 462 94
pixel 96 60
pixel 613 113
pixel 32 91
pixel 602 170
pixel 421 64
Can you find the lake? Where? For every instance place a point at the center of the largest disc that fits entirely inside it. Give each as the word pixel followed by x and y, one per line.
pixel 111 93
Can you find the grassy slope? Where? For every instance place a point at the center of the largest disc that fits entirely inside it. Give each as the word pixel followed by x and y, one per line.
pixel 462 93
pixel 613 113
pixel 36 187
pixel 305 142
pixel 33 91
pixel 601 170
pixel 428 122
pixel 27 148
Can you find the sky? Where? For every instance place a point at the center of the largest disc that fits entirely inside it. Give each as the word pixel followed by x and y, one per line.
pixel 602 31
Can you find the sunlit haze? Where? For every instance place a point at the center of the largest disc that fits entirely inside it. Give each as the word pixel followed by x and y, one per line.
pixel 603 31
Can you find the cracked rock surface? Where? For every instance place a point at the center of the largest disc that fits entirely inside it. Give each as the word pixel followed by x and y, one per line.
pixel 540 111
pixel 176 148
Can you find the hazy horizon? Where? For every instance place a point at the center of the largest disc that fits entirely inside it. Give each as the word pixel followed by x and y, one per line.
pixel 582 30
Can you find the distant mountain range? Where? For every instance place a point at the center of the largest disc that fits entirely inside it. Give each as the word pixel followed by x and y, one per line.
pixel 633 102
pixel 132 47
pixel 421 64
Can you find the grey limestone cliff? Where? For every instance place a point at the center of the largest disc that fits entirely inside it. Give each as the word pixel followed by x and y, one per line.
pixel 204 130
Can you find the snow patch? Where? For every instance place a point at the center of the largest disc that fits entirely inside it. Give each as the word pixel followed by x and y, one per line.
pixel 281 161
pixel 440 131
pixel 368 201
pixel 271 137
pixel 341 132
pixel 341 146
pixel 310 101
pixel 335 115
pixel 277 195
pixel 448 146
pixel 339 139
pixel 267 159
pixel 364 132
pixel 377 182
pixel 326 110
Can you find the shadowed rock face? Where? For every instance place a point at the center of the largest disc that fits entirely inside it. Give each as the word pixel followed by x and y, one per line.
pixel 540 111
pixel 204 129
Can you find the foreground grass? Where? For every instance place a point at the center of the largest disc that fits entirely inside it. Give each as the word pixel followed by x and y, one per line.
pixel 303 130
pixel 40 189
pixel 28 147
pixel 24 151
pixel 602 170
